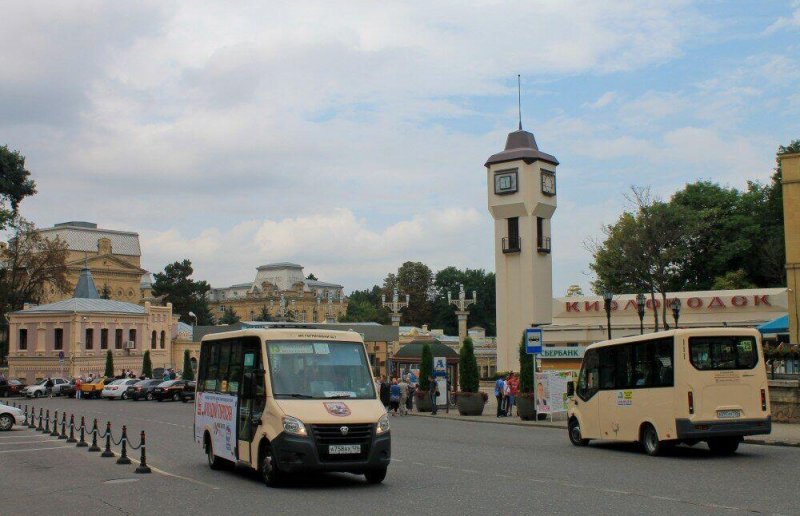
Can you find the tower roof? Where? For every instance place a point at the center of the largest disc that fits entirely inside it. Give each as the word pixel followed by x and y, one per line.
pixel 85 288
pixel 521 145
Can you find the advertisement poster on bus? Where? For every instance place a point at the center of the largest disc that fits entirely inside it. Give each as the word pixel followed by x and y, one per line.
pixel 217 414
pixel 551 391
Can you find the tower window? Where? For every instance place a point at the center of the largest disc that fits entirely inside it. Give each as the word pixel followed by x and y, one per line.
pixel 542 241
pixel 512 243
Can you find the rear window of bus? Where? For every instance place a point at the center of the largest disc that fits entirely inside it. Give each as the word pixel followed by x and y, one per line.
pixel 723 353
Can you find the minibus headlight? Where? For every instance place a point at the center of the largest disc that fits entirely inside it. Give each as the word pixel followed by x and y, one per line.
pixel 292 425
pixel 383 425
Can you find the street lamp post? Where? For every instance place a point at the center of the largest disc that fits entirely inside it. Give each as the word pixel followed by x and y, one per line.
pixel 676 309
pixel 640 306
pixel 607 298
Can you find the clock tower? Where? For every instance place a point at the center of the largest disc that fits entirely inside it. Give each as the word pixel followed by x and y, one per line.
pixel 522 200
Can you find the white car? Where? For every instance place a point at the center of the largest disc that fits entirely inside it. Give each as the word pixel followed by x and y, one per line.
pixel 118 389
pixel 9 416
pixel 38 389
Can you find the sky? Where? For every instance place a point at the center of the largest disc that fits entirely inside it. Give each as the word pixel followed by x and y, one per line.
pixel 350 136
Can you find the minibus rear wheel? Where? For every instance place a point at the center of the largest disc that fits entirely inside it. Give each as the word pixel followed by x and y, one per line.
pixel 650 442
pixel 214 462
pixel 724 445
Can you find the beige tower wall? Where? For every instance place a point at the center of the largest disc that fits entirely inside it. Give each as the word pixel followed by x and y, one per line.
pixel 790 165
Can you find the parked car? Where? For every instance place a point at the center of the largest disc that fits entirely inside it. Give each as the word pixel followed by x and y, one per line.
pixel 143 390
pixel 93 389
pixel 38 389
pixel 12 388
pixel 61 389
pixel 169 390
pixel 118 389
pixel 68 391
pixel 10 416
pixel 187 394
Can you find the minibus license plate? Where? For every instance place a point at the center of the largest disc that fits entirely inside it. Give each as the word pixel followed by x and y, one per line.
pixel 344 449
pixel 729 414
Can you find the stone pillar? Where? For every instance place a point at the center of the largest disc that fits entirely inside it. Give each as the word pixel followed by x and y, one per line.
pixel 790 167
pixel 396 319
pixel 41 338
pixel 462 325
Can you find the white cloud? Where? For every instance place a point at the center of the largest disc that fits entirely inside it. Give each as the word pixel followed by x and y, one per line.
pixel 604 100
pixel 784 22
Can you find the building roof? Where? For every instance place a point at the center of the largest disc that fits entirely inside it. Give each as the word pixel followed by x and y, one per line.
pixel 84 305
pixel 83 236
pixel 521 145
pixel 414 350
pixel 85 288
pixel 279 265
pixel 321 284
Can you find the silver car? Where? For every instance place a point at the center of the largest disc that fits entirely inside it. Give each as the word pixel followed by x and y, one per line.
pixel 9 416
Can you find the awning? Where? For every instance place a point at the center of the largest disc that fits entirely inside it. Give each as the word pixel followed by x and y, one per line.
pixel 775 326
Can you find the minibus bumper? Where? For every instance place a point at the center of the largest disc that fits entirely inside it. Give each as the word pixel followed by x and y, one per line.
pixel 707 429
pixel 295 454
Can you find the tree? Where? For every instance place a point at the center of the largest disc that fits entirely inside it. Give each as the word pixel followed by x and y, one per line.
pixel 264 315
pixel 15 184
pixel 109 365
pixel 185 294
pixel 229 317
pixel 365 306
pixel 482 313
pixel 425 367
pixel 732 280
pixel 525 369
pixel 414 279
pixel 468 367
pixel 311 277
pixel 147 365
pixel 188 372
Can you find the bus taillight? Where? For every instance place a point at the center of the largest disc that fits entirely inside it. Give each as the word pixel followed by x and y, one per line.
pixel 691 403
pixel 763 399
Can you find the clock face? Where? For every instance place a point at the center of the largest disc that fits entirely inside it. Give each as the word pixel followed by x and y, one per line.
pixel 505 182
pixel 548 182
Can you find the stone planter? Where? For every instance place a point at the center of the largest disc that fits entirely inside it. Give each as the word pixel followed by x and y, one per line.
pixel 526 408
pixel 470 403
pixel 423 403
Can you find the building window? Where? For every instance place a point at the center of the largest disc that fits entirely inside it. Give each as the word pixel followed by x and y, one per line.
pixel 153 340
pixel 59 342
pixel 512 243
pixel 132 337
pixel 23 339
pixel 542 241
pixel 118 339
pixel 104 338
pixel 163 338
pixel 89 338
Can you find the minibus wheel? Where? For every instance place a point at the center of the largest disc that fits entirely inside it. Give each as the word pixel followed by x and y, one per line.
pixel 650 442
pixel 375 476
pixel 272 476
pixel 723 445
pixel 214 462
pixel 575 436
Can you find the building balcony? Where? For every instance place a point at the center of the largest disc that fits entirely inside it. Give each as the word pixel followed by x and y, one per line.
pixel 512 245
pixel 543 246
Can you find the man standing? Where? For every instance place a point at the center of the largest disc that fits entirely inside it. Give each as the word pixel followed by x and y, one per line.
pixel 432 392
pixel 384 393
pixel 499 392
pixel 78 383
pixel 403 396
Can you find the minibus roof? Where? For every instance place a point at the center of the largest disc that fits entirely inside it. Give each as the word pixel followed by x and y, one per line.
pixel 688 332
pixel 294 332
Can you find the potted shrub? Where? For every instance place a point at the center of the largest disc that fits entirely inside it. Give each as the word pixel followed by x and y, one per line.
pixel 425 370
pixel 469 400
pixel 526 404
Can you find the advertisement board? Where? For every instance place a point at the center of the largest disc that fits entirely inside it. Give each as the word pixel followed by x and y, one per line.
pixel 563 352
pixel 217 414
pixel 551 391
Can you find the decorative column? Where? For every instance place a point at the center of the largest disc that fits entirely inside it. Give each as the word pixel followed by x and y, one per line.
pixel 395 306
pixel 790 181
pixel 462 303
pixel 282 309
pixel 330 313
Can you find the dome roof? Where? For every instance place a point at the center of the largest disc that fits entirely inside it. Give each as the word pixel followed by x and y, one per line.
pixel 521 145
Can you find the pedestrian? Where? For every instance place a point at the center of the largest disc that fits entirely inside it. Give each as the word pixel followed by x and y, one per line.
pixel 513 383
pixel 507 396
pixel 433 391
pixel 404 387
pixel 384 393
pixel 78 383
pixel 394 396
pixel 499 390
pixel 48 387
pixel 412 389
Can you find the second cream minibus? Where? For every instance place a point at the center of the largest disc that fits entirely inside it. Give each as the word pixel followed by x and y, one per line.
pixel 671 387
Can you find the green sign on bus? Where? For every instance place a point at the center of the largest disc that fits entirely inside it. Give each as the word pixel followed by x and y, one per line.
pixel 563 352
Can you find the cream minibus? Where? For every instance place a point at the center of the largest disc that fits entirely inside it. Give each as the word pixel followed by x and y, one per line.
pixel 670 387
pixel 288 399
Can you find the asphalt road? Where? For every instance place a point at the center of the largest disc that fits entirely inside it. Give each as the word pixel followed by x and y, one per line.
pixel 446 467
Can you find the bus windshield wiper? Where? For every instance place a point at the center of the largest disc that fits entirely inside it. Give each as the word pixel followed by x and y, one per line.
pixel 340 397
pixel 295 395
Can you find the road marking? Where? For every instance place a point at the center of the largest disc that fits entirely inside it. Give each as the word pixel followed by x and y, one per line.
pixel 25 436
pixel 31 442
pixel 417 463
pixel 36 449
pixel 442 467
pixel 469 471
pixel 175 475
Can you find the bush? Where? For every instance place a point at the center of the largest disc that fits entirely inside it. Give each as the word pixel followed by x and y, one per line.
pixel 426 367
pixel 109 365
pixel 525 369
pixel 188 372
pixel 147 365
pixel 468 367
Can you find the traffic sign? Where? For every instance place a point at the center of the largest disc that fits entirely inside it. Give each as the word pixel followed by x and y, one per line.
pixel 533 341
pixel 439 366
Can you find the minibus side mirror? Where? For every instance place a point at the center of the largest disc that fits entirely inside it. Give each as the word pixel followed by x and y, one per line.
pixel 571 389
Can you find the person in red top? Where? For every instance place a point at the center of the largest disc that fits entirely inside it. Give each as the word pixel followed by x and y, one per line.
pixel 513 388
pixel 78 388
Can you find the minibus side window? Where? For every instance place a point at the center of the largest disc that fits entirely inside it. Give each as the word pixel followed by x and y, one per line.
pixel 663 363
pixel 202 367
pixel 587 382
pixel 723 352
pixel 608 367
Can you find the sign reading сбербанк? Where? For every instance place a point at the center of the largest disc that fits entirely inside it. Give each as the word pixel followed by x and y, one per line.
pixel 563 352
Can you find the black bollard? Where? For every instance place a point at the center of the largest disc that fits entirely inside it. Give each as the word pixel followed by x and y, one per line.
pixel 63 427
pixel 82 443
pixel 94 447
pixel 107 452
pixel 54 433
pixel 143 467
pixel 32 420
pixel 47 422
pixel 25 423
pixel 72 429
pixel 123 458
pixel 39 428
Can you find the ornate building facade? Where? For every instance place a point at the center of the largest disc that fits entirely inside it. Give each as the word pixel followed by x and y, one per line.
pixel 281 291
pixel 114 257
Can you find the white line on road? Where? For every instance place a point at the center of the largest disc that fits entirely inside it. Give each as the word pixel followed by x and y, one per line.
pixel 36 449
pixel 173 475
pixel 31 442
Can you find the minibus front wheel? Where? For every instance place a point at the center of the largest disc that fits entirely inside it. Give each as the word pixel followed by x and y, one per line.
pixel 270 473
pixel 575 436
pixel 375 476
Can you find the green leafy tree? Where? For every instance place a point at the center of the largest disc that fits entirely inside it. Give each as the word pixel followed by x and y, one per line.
pixel 468 367
pixel 414 279
pixel 311 277
pixel 264 315
pixel 109 373
pixel 15 184
pixel 425 367
pixel 147 365
pixel 525 369
pixel 188 372
pixel 365 306
pixel 733 280
pixel 481 313
pixel 229 316
pixel 185 294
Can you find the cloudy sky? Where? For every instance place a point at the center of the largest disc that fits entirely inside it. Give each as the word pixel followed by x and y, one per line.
pixel 350 136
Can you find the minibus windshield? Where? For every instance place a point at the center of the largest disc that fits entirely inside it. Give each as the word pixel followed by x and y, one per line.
pixel 720 353
pixel 319 370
